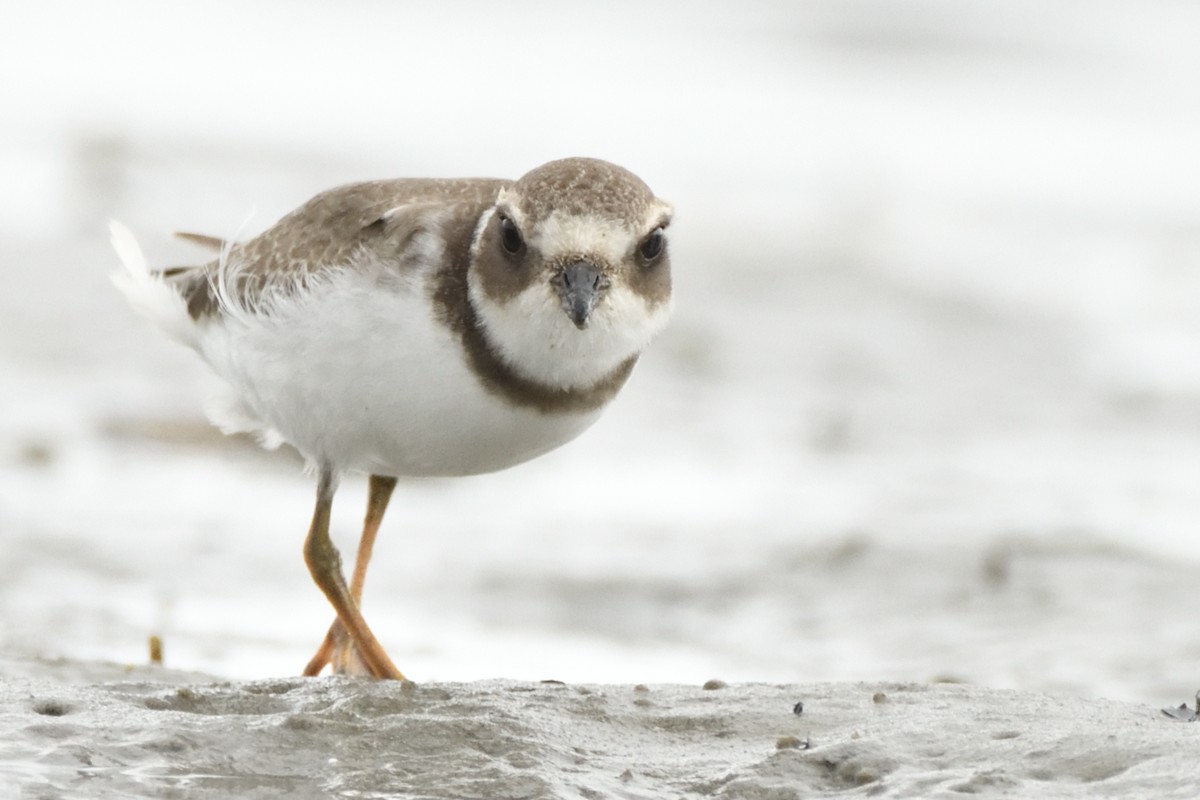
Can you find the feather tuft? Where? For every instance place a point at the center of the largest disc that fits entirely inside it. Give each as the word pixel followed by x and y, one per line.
pixel 148 292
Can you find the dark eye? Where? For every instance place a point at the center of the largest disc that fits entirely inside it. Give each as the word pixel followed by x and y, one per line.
pixel 510 237
pixel 652 246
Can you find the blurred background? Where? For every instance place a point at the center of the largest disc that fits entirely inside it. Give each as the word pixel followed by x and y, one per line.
pixel 929 408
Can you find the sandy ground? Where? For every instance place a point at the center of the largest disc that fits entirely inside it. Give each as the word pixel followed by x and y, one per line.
pixel 929 411
pixel 161 734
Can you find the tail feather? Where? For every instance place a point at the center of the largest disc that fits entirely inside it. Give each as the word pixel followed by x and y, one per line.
pixel 147 291
pixel 203 240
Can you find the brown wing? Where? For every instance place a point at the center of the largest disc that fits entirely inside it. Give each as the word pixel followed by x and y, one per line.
pixel 325 232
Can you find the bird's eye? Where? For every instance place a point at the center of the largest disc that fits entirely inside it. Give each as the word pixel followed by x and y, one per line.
pixel 652 246
pixel 510 237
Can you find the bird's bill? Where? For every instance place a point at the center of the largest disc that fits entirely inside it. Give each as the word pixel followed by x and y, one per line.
pixel 580 285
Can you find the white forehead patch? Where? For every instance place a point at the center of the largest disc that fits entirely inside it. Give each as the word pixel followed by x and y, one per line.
pixel 603 238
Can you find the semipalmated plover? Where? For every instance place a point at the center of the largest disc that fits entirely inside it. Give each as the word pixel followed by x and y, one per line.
pixel 420 328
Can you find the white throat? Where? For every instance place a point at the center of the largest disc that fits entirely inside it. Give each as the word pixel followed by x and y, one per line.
pixel 534 337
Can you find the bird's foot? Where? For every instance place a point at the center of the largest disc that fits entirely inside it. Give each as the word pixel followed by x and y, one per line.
pixel 343 657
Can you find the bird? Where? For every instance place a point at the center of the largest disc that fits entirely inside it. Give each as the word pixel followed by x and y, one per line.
pixel 418 327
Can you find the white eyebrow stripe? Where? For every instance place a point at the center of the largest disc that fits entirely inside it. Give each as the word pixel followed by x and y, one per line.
pixel 480 226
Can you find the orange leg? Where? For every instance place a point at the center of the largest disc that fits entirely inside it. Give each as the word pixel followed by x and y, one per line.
pixel 338 649
pixel 325 564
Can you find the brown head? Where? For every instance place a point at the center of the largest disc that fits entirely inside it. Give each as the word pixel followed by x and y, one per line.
pixel 570 273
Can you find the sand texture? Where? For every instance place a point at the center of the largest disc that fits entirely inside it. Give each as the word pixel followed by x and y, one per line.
pixel 162 734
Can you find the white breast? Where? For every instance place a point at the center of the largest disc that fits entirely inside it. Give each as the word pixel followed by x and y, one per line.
pixel 357 371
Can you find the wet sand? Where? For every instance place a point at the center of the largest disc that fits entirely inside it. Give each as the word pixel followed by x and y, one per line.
pixel 88 730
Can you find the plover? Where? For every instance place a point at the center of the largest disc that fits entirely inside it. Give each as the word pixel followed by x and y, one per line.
pixel 420 327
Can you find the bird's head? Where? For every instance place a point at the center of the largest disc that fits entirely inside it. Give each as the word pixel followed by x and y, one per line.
pixel 570 274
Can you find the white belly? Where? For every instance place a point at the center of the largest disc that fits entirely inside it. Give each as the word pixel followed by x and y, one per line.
pixel 359 374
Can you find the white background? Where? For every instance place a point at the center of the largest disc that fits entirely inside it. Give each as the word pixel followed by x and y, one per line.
pixel 930 406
